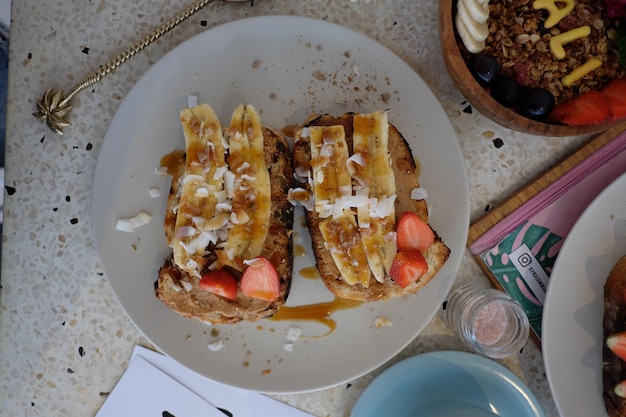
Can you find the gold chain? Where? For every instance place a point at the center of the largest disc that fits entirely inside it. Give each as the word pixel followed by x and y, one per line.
pixel 55 106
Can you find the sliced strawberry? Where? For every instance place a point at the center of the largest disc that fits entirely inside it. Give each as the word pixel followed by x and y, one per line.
pixel 413 233
pixel 587 108
pixel 615 96
pixel 617 343
pixel 220 282
pixel 260 280
pixel 407 267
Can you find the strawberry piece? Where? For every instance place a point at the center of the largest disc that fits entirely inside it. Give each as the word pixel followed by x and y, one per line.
pixel 587 108
pixel 615 9
pixel 260 280
pixel 615 95
pixel 407 267
pixel 617 343
pixel 220 282
pixel 413 233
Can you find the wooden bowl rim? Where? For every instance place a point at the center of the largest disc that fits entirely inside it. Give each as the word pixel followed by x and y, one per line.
pixel 480 99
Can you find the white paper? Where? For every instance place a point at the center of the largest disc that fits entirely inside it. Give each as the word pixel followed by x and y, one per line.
pixel 144 390
pixel 238 402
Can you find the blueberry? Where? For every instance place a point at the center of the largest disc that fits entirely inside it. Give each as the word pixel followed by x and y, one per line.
pixel 506 91
pixel 484 68
pixel 537 104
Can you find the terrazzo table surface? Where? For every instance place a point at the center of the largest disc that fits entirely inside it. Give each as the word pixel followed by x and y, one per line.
pixel 64 339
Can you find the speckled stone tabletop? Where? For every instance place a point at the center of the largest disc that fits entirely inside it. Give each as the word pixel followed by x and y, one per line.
pixel 64 339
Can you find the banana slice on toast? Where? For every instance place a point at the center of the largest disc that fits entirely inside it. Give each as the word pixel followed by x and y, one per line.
pixel 249 189
pixel 376 181
pixel 202 182
pixel 332 184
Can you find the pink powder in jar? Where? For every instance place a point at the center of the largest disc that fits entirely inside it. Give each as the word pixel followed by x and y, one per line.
pixel 490 323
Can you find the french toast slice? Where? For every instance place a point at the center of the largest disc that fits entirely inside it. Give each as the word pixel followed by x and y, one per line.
pixel 404 172
pixel 181 290
pixel 614 323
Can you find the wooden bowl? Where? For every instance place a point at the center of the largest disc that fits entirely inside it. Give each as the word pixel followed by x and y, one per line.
pixel 480 99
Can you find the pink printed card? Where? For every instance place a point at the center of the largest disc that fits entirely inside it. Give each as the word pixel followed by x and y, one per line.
pixel 517 252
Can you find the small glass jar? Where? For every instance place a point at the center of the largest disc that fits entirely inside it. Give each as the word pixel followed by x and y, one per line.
pixel 487 320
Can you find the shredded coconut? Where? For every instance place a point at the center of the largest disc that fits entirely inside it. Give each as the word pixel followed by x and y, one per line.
pixel 293 333
pixel 382 322
pixel 130 224
pixel 419 194
pixel 215 346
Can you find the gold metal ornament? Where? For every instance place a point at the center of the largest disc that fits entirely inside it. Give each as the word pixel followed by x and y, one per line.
pixel 54 107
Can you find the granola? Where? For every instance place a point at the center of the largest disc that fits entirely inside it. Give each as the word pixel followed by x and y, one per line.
pixel 520 42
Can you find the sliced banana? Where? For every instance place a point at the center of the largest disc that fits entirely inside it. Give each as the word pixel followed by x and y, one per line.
pixel 478 30
pixel 478 10
pixel 377 219
pixel 251 190
pixel 471 23
pixel 472 45
pixel 331 184
pixel 201 183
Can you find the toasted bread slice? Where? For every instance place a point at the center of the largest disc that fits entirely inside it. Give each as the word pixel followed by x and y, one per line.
pixel 180 290
pixel 404 170
pixel 614 322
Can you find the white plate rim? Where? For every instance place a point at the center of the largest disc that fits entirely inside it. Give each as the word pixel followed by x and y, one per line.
pixel 572 331
pixel 456 235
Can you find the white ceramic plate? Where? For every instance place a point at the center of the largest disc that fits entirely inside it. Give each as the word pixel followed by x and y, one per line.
pixel 447 384
pixel 287 67
pixel 574 306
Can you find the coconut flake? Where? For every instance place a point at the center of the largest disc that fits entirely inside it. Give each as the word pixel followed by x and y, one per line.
pixel 219 172
pixel 382 207
pixel 419 193
pixel 154 192
pixel 202 192
pixel 324 208
pixel 199 222
pixel 162 171
pixel 319 176
pixel 293 333
pixel 229 182
pixel 215 346
pixel 243 167
pixel 192 100
pixel 381 322
pixel 239 217
pixel 130 224
pixel 251 261
pixel 358 159
pixel 327 149
pixel 191 265
pixel 226 206
pixel 217 222
pixel 301 174
pixel 230 253
pixel 193 178
pixel 197 244
pixel 220 196
pixel 300 196
pixel 187 285
pixel 185 231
